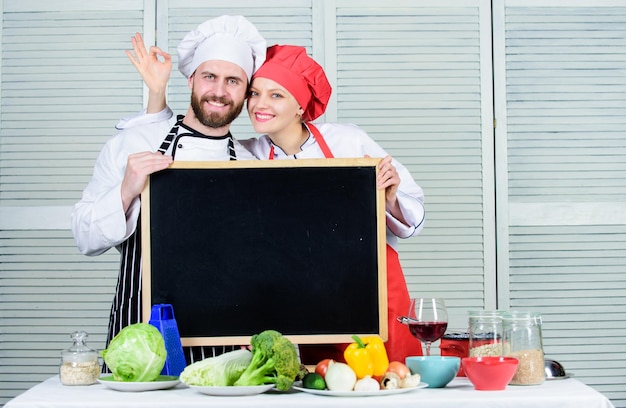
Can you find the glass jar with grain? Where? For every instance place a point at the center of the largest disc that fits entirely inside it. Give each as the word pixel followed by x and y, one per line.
pixel 79 363
pixel 522 339
pixel 485 333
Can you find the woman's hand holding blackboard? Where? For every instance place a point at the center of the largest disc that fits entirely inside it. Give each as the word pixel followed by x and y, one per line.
pixel 389 180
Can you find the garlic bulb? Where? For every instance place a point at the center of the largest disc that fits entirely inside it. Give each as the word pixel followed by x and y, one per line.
pixel 367 383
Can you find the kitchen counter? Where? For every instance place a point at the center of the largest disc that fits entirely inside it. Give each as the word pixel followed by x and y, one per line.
pixel 567 393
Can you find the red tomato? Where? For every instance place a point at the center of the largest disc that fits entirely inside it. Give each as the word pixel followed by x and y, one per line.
pixel 322 366
pixel 397 367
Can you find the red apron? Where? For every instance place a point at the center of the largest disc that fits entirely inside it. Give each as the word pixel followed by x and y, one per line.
pixel 400 343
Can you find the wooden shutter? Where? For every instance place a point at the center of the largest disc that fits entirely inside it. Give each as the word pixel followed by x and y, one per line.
pixel 561 149
pixel 417 77
pixel 65 83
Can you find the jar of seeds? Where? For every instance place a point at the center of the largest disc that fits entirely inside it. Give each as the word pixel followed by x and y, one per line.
pixel 79 363
pixel 485 333
pixel 522 339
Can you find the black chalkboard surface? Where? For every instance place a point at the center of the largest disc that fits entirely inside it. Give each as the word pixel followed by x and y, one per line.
pixel 292 245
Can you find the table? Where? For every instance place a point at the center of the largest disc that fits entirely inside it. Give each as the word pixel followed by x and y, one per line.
pixel 567 393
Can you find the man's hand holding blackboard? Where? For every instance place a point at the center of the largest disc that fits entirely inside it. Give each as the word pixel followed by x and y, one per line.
pixel 138 168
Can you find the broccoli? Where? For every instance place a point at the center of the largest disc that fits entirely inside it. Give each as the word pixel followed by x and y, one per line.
pixel 274 361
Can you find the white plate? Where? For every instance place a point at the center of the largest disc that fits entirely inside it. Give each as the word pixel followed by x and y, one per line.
pixel 233 391
pixel 360 393
pixel 162 382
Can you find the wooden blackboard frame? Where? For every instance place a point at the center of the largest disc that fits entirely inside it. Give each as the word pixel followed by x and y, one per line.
pixel 213 171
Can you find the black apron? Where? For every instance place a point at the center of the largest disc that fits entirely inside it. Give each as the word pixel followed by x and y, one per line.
pixel 126 307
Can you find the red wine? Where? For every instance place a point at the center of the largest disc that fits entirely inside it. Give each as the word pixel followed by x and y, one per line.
pixel 428 331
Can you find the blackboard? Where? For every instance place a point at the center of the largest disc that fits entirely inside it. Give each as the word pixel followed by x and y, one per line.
pixel 292 245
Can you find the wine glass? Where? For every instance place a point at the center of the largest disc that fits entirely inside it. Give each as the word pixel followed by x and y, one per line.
pixel 427 320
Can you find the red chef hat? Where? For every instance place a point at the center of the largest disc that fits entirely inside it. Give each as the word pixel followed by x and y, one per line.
pixel 292 68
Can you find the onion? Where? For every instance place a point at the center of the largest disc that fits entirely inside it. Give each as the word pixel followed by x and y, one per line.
pixel 397 367
pixel 340 377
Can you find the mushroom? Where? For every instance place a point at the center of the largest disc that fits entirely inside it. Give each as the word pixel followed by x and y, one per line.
pixel 390 381
pixel 410 381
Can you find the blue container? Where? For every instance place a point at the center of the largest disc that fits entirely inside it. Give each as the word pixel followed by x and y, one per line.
pixel 162 317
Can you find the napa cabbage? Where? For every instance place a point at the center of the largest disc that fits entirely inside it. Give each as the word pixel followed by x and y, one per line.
pixel 222 370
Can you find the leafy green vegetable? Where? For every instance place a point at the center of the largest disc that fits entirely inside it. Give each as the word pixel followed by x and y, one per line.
pixel 222 370
pixel 136 353
pixel 274 361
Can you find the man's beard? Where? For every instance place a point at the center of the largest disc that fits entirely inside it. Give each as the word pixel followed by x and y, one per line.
pixel 214 119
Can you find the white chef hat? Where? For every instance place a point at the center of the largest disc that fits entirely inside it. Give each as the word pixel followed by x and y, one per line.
pixel 226 38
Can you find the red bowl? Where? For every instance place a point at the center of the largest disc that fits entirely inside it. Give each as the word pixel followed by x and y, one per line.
pixel 490 373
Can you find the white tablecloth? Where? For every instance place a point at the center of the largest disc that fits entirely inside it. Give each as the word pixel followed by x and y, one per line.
pixel 569 393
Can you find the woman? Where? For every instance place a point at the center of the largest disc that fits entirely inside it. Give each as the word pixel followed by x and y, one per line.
pixel 288 92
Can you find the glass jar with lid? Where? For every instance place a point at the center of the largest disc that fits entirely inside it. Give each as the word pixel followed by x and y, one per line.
pixel 485 333
pixel 79 363
pixel 522 339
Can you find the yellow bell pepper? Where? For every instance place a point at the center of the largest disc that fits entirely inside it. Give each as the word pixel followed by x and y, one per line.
pixel 367 356
pixel 378 353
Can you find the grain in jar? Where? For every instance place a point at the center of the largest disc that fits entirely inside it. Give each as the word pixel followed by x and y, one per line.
pixel 485 333
pixel 522 339
pixel 79 363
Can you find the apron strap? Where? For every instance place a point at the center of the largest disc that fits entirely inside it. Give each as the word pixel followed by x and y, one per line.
pixel 231 148
pixel 170 136
pixel 317 135
pixel 320 141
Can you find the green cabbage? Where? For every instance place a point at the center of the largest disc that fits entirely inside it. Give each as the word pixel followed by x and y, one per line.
pixel 136 353
pixel 222 370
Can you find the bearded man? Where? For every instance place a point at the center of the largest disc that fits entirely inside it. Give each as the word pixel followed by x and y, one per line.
pixel 218 59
